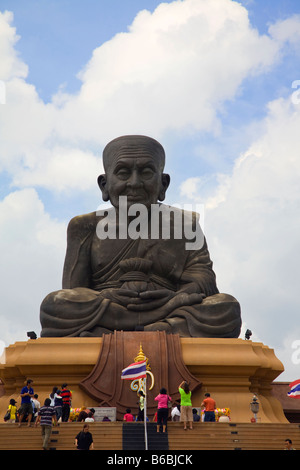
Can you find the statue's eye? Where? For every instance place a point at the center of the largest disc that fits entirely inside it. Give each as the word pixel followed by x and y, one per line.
pixel 147 173
pixel 123 173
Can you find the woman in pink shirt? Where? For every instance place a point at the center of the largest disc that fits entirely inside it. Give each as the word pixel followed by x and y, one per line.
pixel 162 409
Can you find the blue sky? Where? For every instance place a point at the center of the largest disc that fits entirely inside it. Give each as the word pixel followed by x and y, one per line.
pixel 212 81
pixel 58 37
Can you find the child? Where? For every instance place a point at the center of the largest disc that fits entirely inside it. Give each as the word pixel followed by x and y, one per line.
pixel 128 416
pixel 13 411
pixel 140 416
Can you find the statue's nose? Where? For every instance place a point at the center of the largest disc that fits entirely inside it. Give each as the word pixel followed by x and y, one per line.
pixel 134 180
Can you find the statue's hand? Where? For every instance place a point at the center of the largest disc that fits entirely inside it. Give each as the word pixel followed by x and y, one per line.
pixel 182 299
pixel 163 299
pixel 150 300
pixel 120 296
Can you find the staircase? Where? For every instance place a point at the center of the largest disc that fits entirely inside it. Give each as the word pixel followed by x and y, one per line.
pixel 231 436
pixel 106 436
pixel 130 436
pixel 134 437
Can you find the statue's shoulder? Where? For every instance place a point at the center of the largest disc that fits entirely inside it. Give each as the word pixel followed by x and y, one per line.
pixel 82 224
pixel 83 219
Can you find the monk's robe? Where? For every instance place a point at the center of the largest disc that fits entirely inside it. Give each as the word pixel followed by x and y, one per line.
pixel 90 302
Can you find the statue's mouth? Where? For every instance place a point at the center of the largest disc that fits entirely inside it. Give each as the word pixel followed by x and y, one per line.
pixel 134 197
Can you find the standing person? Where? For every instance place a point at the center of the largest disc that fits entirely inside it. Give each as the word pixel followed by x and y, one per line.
pixel 84 439
pixel 26 394
pixel 128 416
pixel 162 409
pixel 56 402
pixel 52 395
pixel 175 413
pixel 35 405
pixel 141 416
pixel 186 413
pixel 66 395
pixel 45 417
pixel 196 417
pixel 209 408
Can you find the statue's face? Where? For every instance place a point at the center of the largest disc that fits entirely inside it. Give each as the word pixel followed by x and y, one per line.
pixel 137 176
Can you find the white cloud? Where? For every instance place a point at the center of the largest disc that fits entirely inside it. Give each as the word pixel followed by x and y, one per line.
pixel 10 64
pixel 190 187
pixel 289 354
pixel 62 169
pixel 201 188
pixel 253 230
pixel 26 126
pixel 32 253
pixel 173 70
pixel 30 148
pixel 287 30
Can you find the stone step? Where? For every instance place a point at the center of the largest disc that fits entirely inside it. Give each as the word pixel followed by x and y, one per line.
pixel 134 437
pixel 110 436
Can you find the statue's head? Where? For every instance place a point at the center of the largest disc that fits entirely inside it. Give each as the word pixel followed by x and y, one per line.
pixel 133 166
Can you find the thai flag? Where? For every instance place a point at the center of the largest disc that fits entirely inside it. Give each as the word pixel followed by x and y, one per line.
pixel 295 389
pixel 137 370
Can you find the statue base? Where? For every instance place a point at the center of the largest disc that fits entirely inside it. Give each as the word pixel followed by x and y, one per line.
pixel 232 370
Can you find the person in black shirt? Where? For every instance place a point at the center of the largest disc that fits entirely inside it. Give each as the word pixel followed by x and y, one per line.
pixel 84 439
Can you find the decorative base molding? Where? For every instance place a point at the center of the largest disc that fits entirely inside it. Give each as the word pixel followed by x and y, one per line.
pixel 232 370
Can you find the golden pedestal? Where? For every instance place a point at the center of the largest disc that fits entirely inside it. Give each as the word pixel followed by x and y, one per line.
pixel 232 370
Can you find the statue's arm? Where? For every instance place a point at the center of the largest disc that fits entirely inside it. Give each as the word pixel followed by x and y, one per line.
pixel 198 275
pixel 196 282
pixel 77 265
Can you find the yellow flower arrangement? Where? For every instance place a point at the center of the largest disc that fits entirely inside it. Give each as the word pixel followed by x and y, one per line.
pixel 219 412
pixel 74 413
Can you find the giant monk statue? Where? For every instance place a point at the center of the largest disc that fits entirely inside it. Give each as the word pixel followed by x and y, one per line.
pixel 141 264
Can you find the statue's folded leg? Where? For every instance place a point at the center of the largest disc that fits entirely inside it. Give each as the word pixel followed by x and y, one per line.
pixel 85 312
pixel 71 312
pixel 218 316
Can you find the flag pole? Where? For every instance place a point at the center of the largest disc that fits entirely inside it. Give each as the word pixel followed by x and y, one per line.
pixel 145 415
pixel 137 370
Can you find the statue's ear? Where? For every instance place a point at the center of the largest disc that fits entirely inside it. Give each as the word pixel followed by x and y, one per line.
pixel 102 186
pixel 165 181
